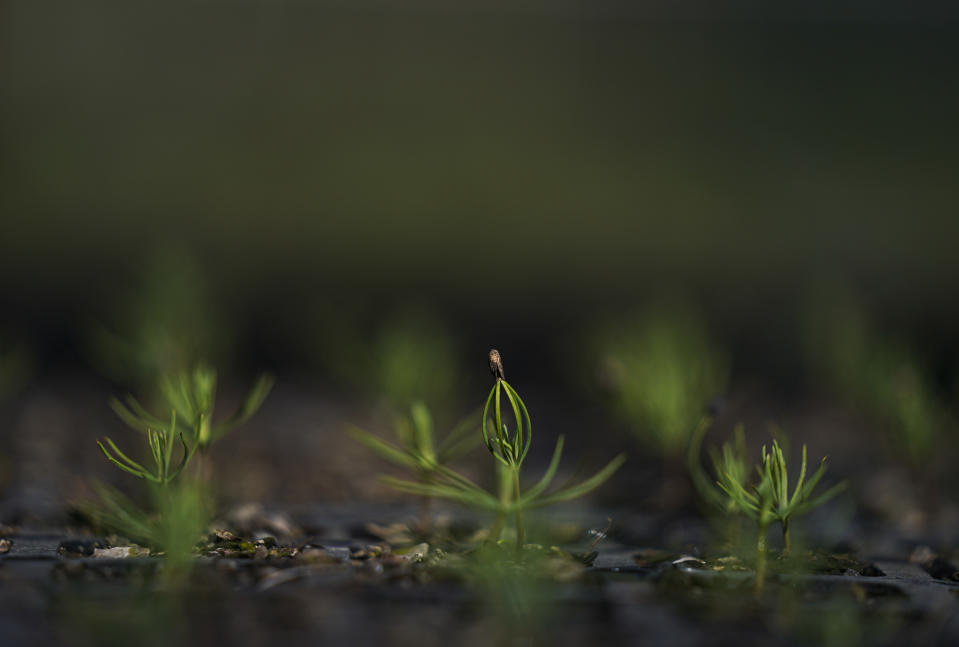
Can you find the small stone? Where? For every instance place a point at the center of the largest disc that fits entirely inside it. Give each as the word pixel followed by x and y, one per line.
pixel 871 570
pixel 922 554
pixel 314 555
pixel 396 533
pixel 117 552
pixel 339 553
pixel 221 535
pixel 936 566
pixel 417 553
pixel 77 547
pixel 941 569
pixel 281 551
pixel 253 517
pixel 261 552
pixel 371 551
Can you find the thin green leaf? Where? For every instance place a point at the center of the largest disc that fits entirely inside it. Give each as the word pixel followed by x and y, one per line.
pixel 822 498
pixel 460 440
pixel 139 473
pixel 517 442
pixel 120 513
pixel 802 477
pixel 130 417
pixel 583 488
pixel 187 455
pixel 254 399
pixel 442 492
pixel 169 443
pixel 153 442
pixel 529 423
pixel 383 448
pixel 500 430
pixel 124 457
pixel 811 484
pixel 548 477
pixel 423 430
pixel 458 480
pixel 486 435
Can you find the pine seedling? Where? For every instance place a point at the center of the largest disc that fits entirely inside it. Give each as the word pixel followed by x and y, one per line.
pixel 171 316
pixel 785 506
pixel 509 449
pixel 181 512
pixel 182 506
pixel 192 394
pixel 408 356
pixel 770 499
pixel 660 370
pixel 161 441
pixel 880 375
pixel 729 460
pixel 753 501
pixel 418 449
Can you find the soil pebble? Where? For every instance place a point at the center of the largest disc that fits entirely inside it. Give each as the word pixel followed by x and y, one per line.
pixel 117 552
pixel 78 547
pixel 937 567
pixel 871 570
pixel 941 569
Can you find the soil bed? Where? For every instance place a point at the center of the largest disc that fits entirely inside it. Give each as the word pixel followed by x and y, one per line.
pixel 343 584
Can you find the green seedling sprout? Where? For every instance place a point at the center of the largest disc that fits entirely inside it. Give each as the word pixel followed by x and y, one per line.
pixel 730 459
pixel 180 513
pixel 509 450
pixel 418 449
pixel 660 369
pixel 769 500
pixel 728 463
pixel 877 374
pixel 192 394
pixel 182 506
pixel 786 506
pixel 162 447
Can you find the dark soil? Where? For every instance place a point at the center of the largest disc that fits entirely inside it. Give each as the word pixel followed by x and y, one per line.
pixel 347 584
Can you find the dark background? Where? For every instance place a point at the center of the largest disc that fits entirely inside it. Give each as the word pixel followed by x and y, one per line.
pixel 520 168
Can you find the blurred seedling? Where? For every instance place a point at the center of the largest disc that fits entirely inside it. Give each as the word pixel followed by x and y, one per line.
pixel 876 374
pixel 168 320
pixel 408 357
pixel 179 514
pixel 729 459
pixel 192 395
pixel 661 369
pixel 768 499
pixel 182 506
pixel 418 448
pixel 508 450
pixel 519 599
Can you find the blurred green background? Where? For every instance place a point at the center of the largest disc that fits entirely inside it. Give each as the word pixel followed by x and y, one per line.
pixel 518 170
pixel 512 161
